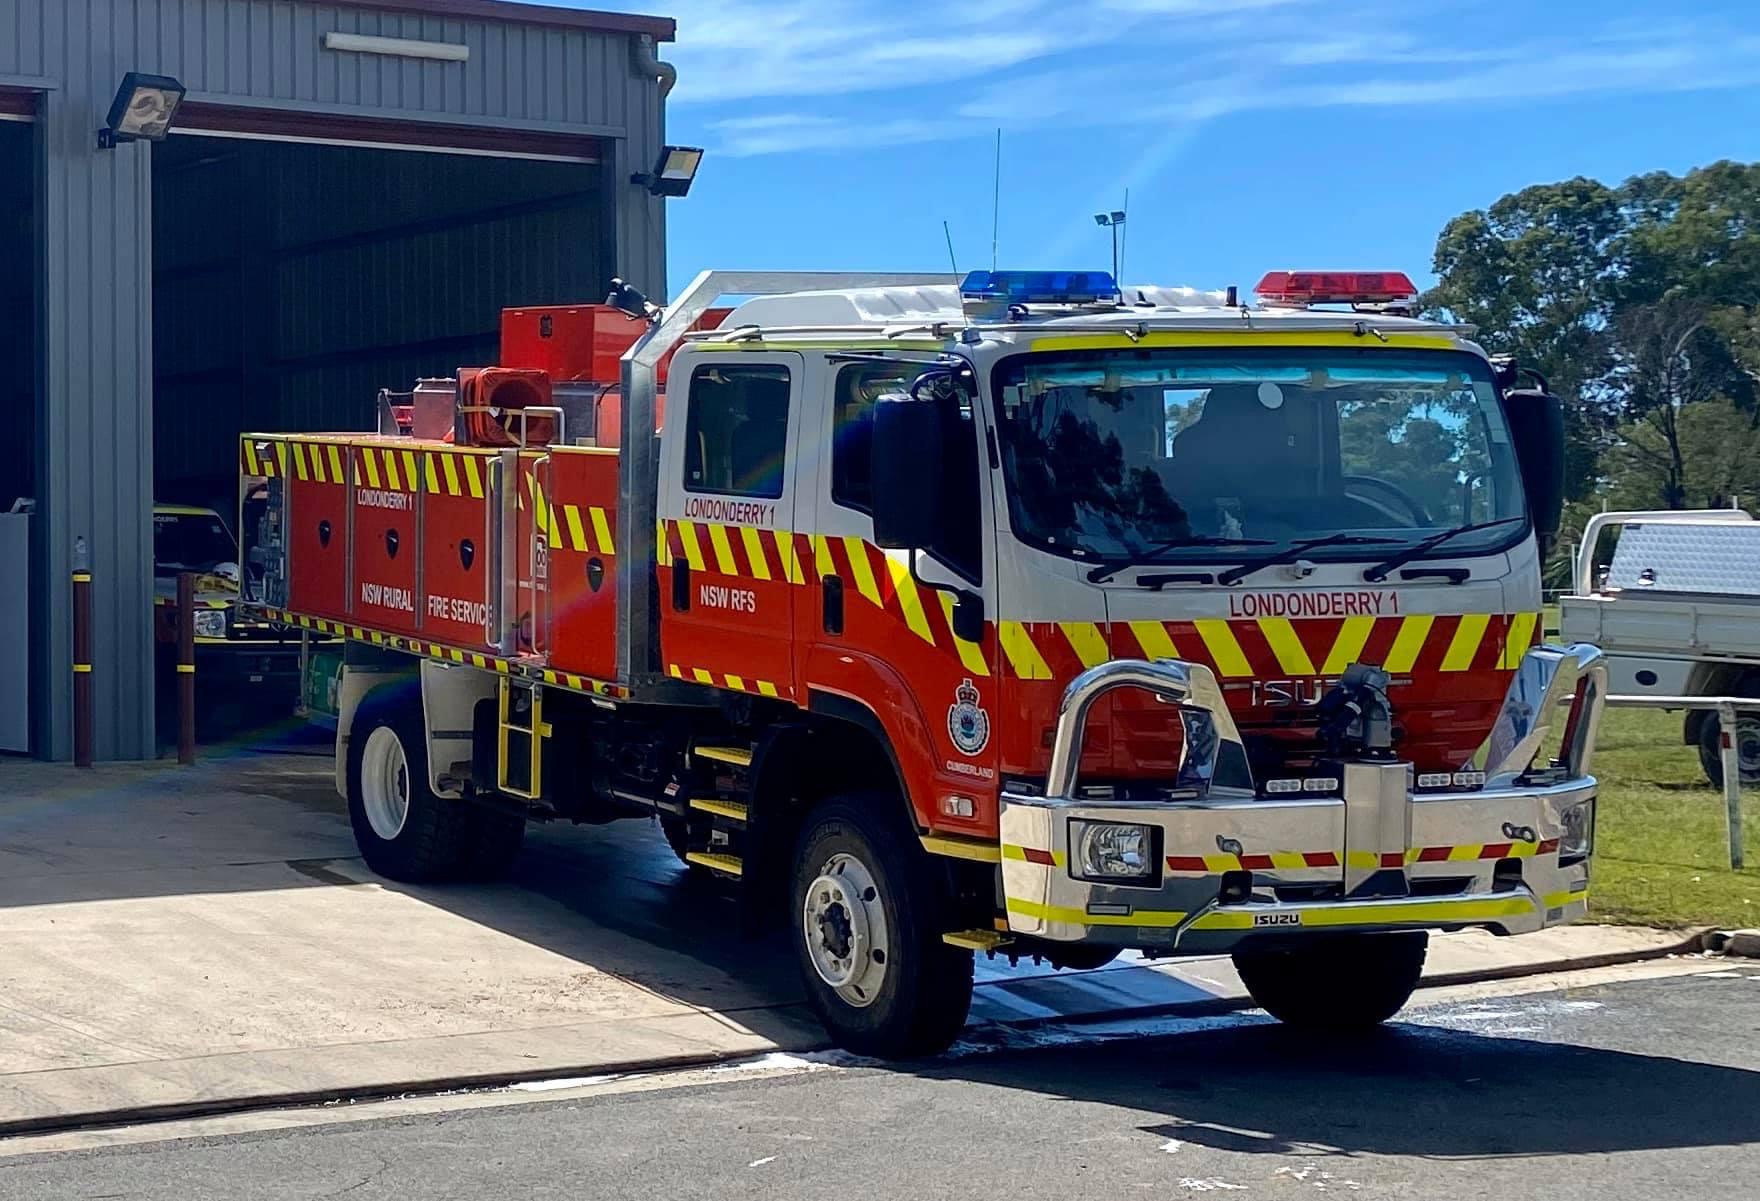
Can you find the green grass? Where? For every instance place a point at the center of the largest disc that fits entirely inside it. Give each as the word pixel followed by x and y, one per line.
pixel 1661 856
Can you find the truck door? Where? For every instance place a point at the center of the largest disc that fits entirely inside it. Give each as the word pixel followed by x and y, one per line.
pixel 879 638
pixel 727 508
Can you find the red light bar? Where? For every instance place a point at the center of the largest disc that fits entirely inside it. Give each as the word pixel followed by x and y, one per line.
pixel 1335 287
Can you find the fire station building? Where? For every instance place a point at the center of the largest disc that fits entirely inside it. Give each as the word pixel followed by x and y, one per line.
pixel 347 194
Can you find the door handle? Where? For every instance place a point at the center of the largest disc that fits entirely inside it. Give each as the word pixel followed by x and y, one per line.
pixel 831 604
pixel 681 585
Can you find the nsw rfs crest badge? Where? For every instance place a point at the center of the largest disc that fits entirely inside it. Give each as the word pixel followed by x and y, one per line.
pixel 967 724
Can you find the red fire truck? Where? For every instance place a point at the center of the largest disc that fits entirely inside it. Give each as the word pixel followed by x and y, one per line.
pixel 1021 616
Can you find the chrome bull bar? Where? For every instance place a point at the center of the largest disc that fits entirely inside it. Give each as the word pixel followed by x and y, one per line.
pixel 1377 840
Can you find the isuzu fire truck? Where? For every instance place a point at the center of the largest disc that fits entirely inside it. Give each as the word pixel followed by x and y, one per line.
pixel 1024 616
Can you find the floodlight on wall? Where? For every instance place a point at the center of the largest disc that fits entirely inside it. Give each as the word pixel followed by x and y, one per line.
pixel 143 110
pixel 673 174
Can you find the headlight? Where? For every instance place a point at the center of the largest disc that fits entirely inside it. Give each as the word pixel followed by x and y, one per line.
pixel 1112 851
pixel 211 623
pixel 1577 835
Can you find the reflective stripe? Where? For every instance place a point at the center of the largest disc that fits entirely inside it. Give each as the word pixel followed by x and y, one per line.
pixel 602 530
pixel 1353 635
pixel 1292 656
pixel 473 477
pixel 1086 641
pixel 1152 636
pixel 859 567
pixel 1408 644
pixel 909 599
pixel 1517 638
pixel 1224 650
pixel 754 544
pixel 971 655
pixel 961 848
pixel 791 563
pixel 1465 645
pixel 336 475
pixel 725 563
pixel 693 553
pixel 1023 657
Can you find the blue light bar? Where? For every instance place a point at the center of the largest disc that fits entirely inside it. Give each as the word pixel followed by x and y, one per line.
pixel 1041 287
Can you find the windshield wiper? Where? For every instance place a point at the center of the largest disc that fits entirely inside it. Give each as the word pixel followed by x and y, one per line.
pixel 1424 546
pixel 1292 552
pixel 1106 571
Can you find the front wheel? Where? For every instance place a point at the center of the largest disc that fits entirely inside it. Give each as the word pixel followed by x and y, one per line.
pixel 871 956
pixel 1343 984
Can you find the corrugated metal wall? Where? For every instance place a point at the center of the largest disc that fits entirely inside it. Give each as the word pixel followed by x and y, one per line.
pixel 292 282
pixel 95 438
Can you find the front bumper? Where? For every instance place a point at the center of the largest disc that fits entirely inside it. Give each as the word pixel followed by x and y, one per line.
pixel 1231 866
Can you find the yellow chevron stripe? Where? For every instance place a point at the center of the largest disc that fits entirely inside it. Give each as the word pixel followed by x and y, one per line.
pixel 909 599
pixel 1225 652
pixel 250 458
pixel 1292 656
pixel 693 553
pixel 431 473
pixel 299 460
pixel 1408 644
pixel 860 568
pixel 1086 641
pixel 791 562
pixel 737 683
pixel 577 533
pixel 1353 636
pixel 1022 655
pixel 662 545
pixel 675 671
pixel 315 454
pixel 602 530
pixel 823 563
pixel 724 560
pixel 1465 644
pixel 391 477
pixel 702 677
pixel 971 655
pixel 473 476
pixel 281 458
pixel 766 688
pixel 449 469
pixel 336 475
pixel 1152 636
pixel 754 544
pixel 370 461
pixel 412 477
pixel 1288 860
pixel 1517 638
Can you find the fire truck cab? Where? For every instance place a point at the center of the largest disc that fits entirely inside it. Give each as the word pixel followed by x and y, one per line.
pixel 1024 616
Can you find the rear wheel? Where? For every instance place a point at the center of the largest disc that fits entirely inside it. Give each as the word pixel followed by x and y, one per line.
pixel 871 955
pixel 1747 748
pixel 403 830
pixel 1337 984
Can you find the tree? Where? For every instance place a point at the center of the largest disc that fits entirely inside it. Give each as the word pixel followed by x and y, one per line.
pixel 1638 303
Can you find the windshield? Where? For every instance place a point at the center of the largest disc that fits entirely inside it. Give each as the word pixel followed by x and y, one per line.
pixel 190 542
pixel 1111 455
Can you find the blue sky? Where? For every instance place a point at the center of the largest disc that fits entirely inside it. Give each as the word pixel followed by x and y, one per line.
pixel 1252 134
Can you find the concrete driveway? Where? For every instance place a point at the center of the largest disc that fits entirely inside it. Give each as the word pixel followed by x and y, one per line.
pixel 189 940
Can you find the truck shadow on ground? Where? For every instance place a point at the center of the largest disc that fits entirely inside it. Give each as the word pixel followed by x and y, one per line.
pixel 1408 1090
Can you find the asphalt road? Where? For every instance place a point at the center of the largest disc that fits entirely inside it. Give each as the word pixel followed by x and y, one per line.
pixel 1640 1088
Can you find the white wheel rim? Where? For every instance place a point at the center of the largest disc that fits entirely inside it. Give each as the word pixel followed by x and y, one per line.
pixel 1748 748
pixel 385 783
pixel 845 927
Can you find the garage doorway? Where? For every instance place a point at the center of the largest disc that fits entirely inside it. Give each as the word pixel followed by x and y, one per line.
pixel 18 310
pixel 294 279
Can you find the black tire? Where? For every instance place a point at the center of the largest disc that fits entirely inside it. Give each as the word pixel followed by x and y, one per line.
pixel 1344 984
pixel 493 842
pixel 432 841
pixel 1748 740
pixel 920 1005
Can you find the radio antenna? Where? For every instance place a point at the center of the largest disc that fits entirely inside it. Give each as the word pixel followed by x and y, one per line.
pixel 951 260
pixel 1123 238
pixel 996 198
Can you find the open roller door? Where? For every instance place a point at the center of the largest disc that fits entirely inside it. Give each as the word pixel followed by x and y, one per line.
pixel 303 262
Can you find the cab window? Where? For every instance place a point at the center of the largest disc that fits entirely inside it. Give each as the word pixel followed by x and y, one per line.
pixel 736 430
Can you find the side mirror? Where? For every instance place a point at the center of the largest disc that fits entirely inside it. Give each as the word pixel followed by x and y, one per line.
pixel 1536 423
pixel 906 466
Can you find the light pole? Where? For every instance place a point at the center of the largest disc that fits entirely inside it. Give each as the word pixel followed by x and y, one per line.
pixel 1113 221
